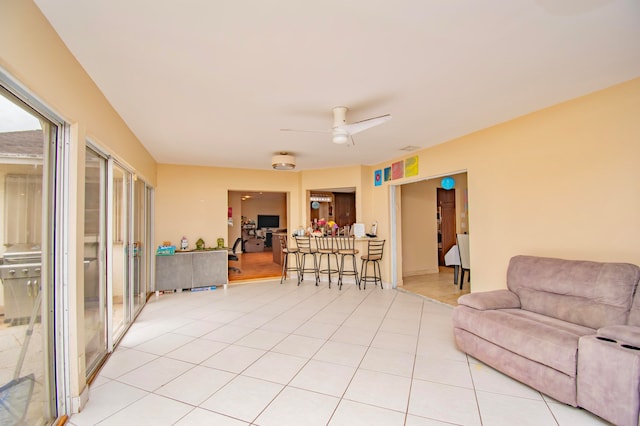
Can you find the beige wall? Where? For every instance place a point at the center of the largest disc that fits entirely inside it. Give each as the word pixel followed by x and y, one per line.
pixel 419 228
pixel 462 208
pixel 234 231
pixel 560 182
pixel 193 201
pixel 33 54
pixel 327 179
pixel 252 207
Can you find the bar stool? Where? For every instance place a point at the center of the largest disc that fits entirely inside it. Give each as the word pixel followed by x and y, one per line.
pixel 286 251
pixel 374 254
pixel 306 249
pixel 346 247
pixel 326 247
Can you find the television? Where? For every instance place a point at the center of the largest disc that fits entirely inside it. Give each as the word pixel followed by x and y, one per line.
pixel 268 221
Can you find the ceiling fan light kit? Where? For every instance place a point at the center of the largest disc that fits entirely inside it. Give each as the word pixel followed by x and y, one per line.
pixel 340 137
pixel 283 161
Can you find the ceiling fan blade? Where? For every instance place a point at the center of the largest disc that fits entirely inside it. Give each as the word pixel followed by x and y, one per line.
pixel 306 131
pixel 359 126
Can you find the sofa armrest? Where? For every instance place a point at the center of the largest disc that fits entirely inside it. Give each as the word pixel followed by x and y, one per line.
pixel 628 334
pixel 496 299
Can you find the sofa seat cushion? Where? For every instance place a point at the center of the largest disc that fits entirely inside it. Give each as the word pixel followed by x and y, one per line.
pixel 545 340
pixel 496 299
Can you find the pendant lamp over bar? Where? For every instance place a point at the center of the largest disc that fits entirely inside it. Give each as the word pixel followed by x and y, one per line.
pixel 283 161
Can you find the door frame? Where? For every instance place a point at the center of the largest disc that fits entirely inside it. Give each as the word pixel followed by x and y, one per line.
pixel 395 219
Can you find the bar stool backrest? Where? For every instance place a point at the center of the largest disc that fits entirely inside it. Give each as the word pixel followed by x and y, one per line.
pixel 284 244
pixel 346 244
pixel 304 244
pixel 325 244
pixel 375 249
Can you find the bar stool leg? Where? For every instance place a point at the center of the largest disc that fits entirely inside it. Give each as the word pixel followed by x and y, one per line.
pixel 284 267
pixel 315 269
pixel 329 270
pixel 303 267
pixel 302 263
pixel 377 274
pixel 363 270
pixel 354 272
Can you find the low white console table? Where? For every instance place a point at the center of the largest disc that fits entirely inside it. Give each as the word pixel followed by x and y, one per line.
pixel 192 269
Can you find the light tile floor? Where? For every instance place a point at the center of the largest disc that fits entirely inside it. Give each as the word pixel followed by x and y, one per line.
pixel 270 354
pixel 440 286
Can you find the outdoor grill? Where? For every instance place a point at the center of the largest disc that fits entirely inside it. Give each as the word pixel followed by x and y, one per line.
pixel 20 274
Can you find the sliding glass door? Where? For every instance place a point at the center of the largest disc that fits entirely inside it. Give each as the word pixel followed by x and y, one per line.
pixel 28 290
pixel 120 243
pixel 139 252
pixel 95 260
pixel 118 265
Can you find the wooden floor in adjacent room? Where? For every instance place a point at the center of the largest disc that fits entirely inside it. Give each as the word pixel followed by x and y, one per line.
pixel 254 266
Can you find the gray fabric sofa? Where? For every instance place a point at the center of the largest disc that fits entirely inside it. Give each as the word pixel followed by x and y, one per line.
pixel 567 328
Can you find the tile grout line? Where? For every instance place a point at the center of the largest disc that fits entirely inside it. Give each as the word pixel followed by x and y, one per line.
pixel 270 350
pixel 415 357
pixel 310 358
pixel 363 356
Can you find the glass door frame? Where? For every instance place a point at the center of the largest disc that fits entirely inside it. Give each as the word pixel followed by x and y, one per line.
pixel 140 227
pixel 102 255
pixel 113 335
pixel 55 309
pixel 130 310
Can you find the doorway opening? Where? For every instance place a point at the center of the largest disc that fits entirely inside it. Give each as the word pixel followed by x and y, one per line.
pixel 430 216
pixel 255 219
pixel 446 220
pixel 336 205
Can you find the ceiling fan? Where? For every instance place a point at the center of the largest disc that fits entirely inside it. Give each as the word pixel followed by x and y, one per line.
pixel 342 132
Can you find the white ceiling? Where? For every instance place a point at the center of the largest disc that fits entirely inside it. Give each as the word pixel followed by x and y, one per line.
pixel 210 82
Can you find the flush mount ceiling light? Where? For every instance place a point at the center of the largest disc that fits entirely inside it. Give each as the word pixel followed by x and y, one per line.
pixel 283 161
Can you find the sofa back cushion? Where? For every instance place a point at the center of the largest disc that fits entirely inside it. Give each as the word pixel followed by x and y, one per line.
pixel 591 294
